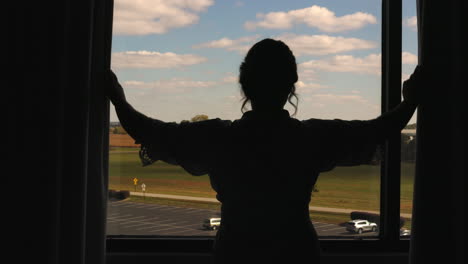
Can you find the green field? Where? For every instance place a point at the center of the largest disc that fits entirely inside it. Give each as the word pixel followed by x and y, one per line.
pixel 344 187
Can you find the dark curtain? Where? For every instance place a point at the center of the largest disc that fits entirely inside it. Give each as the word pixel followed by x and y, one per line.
pixel 439 223
pixel 57 123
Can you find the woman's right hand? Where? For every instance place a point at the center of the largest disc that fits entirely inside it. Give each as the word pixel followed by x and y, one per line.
pixel 113 89
pixel 412 87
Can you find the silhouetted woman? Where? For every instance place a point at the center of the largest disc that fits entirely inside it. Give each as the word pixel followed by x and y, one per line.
pixel 264 165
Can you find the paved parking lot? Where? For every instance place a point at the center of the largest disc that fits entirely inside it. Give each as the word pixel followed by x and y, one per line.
pixel 130 218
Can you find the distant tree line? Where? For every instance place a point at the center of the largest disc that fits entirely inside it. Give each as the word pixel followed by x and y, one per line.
pixel 407 150
pixel 113 124
pixel 196 118
pixel 411 126
pixel 408 145
pixel 116 128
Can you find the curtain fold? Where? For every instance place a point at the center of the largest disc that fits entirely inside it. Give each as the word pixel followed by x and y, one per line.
pixel 438 225
pixel 57 131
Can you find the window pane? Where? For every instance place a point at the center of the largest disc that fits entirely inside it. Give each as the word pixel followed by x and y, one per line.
pixel 408 135
pixel 180 63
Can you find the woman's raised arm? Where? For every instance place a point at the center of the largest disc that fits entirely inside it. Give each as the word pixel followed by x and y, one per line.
pixel 137 125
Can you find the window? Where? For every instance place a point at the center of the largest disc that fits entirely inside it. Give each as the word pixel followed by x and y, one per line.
pixel 167 77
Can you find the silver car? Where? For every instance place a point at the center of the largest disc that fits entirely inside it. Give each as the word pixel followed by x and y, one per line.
pixel 359 226
pixel 405 232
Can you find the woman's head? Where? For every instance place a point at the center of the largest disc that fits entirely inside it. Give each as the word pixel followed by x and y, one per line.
pixel 267 75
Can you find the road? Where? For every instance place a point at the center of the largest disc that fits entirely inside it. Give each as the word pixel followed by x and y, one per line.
pixel 132 218
pixel 213 200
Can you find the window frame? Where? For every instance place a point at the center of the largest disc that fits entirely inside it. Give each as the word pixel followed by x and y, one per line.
pixel 388 241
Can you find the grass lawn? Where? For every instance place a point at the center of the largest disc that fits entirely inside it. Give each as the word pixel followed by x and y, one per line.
pixel 344 187
pixel 129 149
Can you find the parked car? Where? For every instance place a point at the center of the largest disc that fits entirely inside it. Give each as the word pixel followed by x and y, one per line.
pixel 405 232
pixel 212 223
pixel 359 226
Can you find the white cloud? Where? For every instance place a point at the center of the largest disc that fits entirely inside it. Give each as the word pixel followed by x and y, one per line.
pixel 323 44
pixel 314 16
pixel 299 44
pixel 153 60
pixel 175 85
pixel 230 78
pixel 329 98
pixel 409 58
pixel 346 63
pixel 241 45
pixel 411 22
pixel 307 74
pixel 145 17
pixel 370 64
pixel 180 84
pixel 344 106
pixel 304 87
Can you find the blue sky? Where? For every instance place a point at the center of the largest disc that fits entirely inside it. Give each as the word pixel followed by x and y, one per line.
pixel 179 58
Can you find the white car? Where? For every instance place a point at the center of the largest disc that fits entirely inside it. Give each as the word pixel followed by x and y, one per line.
pixel 212 223
pixel 405 232
pixel 359 226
